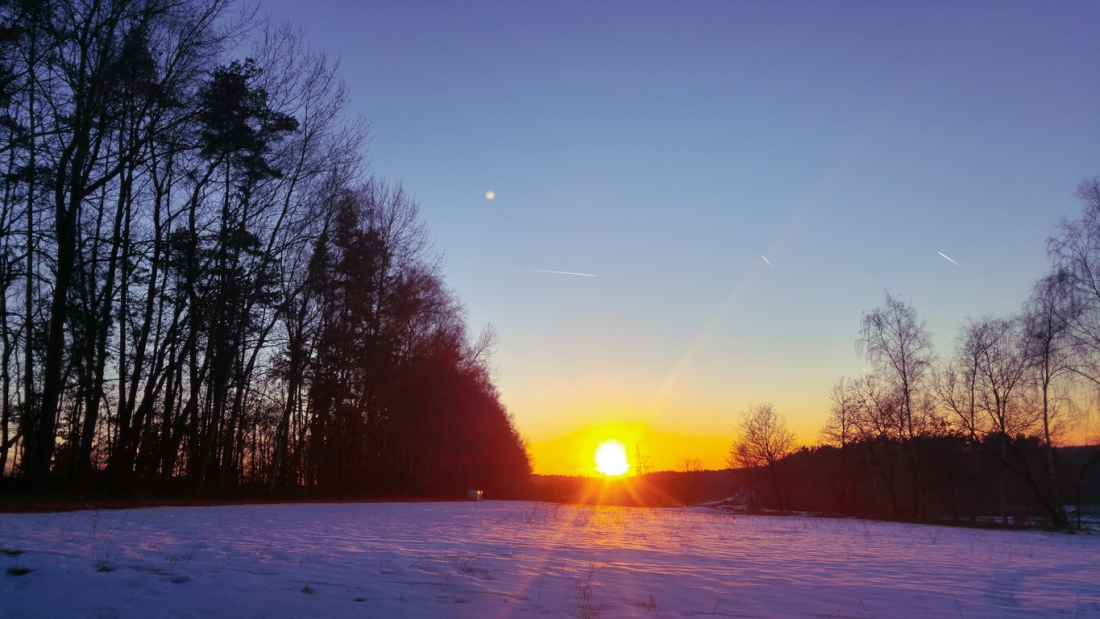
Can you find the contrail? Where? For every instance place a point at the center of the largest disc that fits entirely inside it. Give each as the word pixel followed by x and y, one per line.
pixel 560 272
pixel 769 262
pixel 949 259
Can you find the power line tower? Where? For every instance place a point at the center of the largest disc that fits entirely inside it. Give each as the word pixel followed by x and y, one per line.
pixel 641 463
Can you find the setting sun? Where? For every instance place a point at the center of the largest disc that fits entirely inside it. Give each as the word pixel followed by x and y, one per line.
pixel 611 458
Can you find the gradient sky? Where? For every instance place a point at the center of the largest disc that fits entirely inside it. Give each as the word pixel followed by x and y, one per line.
pixel 667 147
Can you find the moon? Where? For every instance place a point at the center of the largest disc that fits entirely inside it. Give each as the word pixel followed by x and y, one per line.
pixel 489 195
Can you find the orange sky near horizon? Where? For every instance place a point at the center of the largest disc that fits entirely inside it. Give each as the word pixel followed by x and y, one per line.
pixel 574 453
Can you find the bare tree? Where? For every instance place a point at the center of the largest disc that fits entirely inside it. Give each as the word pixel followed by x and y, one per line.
pixel 1048 318
pixel 691 467
pixel 899 346
pixel 878 424
pixel 841 431
pixel 105 89
pixel 1076 255
pixel 999 408
pixel 762 442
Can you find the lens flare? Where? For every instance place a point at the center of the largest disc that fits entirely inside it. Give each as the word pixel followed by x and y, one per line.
pixel 611 458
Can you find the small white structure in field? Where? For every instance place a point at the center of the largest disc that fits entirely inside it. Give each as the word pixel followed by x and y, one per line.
pixel 474 495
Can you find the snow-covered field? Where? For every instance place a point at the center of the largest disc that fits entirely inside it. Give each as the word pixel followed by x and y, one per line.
pixel 504 559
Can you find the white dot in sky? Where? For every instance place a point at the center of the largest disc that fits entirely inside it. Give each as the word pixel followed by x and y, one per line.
pixel 490 195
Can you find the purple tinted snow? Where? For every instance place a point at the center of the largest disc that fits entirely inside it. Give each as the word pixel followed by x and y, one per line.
pixel 504 559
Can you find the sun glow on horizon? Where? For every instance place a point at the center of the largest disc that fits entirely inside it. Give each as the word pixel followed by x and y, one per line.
pixel 611 458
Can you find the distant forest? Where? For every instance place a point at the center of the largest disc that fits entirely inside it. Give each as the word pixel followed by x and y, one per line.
pixel 203 291
pixel 961 485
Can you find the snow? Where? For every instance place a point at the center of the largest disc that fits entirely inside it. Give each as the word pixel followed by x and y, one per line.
pixel 511 559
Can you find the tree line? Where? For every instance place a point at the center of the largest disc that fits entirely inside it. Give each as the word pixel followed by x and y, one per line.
pixel 203 289
pixel 971 435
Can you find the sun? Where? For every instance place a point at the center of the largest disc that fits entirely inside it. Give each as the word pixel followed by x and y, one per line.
pixel 611 458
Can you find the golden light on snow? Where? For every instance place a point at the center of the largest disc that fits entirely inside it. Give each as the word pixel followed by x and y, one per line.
pixel 489 195
pixel 611 458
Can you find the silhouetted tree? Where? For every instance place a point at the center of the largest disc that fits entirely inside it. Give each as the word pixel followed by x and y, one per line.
pixel 899 346
pixel 1075 251
pixel 691 468
pixel 762 442
pixel 1048 319
pixel 841 431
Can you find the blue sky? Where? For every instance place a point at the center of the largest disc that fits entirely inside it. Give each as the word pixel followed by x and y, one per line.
pixel 667 147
